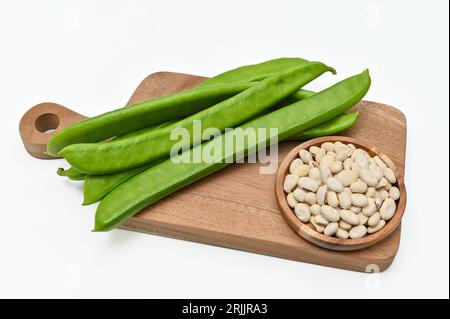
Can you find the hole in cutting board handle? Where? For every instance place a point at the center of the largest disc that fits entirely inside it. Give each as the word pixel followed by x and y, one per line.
pixel 47 123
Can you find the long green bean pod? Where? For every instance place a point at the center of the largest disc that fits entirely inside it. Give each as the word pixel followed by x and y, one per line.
pixel 258 72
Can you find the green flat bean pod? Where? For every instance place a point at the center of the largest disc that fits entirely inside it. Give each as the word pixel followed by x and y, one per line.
pixel 338 124
pixel 117 156
pixel 141 115
pixel 170 175
pixel 260 71
pixel 254 72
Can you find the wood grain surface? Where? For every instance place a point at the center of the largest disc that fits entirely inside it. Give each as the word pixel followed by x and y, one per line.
pixel 236 207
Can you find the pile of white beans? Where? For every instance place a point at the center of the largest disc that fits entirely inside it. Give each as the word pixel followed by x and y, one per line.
pixel 341 190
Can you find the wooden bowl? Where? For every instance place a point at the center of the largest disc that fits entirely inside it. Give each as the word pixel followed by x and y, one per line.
pixel 306 230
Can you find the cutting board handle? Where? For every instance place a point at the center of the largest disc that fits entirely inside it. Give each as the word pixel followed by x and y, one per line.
pixel 40 122
pixel 43 120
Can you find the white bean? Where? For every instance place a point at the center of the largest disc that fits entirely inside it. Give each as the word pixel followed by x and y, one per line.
pixel 314 150
pixel 319 228
pixel 328 146
pixel 378 202
pixel 388 208
pixel 390 175
pixel 290 182
pixel 342 233
pixel 315 209
pixel 370 192
pixel 356 168
pixel 359 200
pixel 299 195
pixel 324 168
pixel 305 156
pixel 331 229
pixel 347 177
pixel 355 209
pixel 377 227
pixel 363 219
pixel 336 167
pixel 332 199
pixel 314 173
pixel 371 207
pixel 308 183
pixel 382 194
pixel 295 163
pixel 349 217
pixel 344 225
pixel 342 152
pixel 302 212
pixel 358 187
pixel 328 159
pixel 345 200
pixel 394 193
pixel 348 164
pixel 302 170
pixel 379 162
pixel 324 174
pixel 320 220
pixel 358 232
pixel 310 198
pixel 320 155
pixel 376 171
pixel 374 219
pixel 334 185
pixel 330 213
pixel 383 183
pixel 321 194
pixel 368 177
pixel 332 154
pixel 361 159
pixel 291 200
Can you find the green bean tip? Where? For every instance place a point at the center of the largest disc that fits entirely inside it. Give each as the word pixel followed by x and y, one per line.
pixel 333 70
pixel 61 171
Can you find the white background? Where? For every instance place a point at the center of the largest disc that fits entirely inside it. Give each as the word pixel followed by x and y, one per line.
pixel 90 55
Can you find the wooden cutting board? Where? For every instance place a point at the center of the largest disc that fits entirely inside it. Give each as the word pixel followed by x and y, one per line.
pixel 236 207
